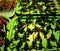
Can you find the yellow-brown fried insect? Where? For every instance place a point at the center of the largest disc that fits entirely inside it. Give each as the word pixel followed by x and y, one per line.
pixel 1 40
pixel 7 5
pixel 3 21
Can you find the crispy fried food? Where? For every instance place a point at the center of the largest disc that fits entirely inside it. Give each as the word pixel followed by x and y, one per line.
pixel 3 21
pixel 7 5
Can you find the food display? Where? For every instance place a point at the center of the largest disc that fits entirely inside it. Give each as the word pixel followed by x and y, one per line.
pixel 29 25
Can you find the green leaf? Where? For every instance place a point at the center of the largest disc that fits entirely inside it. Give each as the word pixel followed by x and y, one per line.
pixel 53 26
pixel 53 43
pixel 18 8
pixel 44 7
pixel 2 48
pixel 40 3
pixel 11 24
pixel 14 49
pixel 23 44
pixel 8 49
pixel 15 42
pixel 37 25
pixel 25 29
pixel 20 35
pixel 12 45
pixel 56 34
pixel 44 42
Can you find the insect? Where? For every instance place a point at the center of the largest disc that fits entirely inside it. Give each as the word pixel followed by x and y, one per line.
pixel 7 5
pixel 3 21
pixel 1 40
